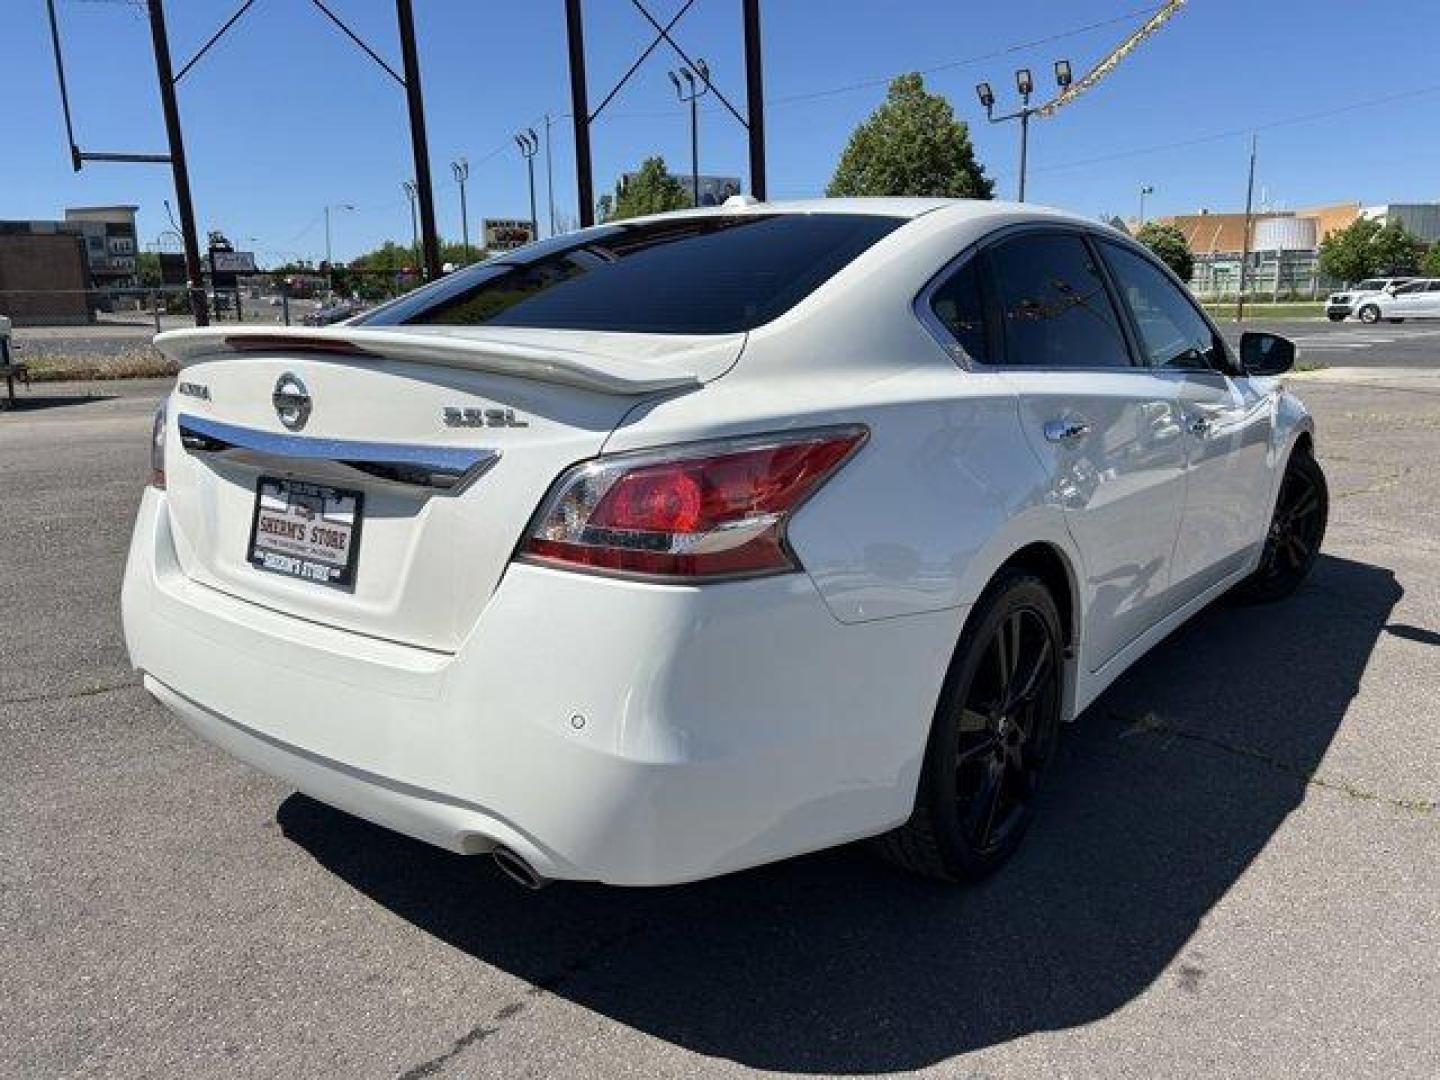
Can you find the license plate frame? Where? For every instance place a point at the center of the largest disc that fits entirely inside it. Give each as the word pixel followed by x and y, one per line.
pixel 303 558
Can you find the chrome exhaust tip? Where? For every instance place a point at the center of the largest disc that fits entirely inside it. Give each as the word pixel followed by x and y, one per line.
pixel 517 869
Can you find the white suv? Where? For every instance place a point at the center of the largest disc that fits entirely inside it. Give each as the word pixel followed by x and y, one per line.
pixel 1340 306
pixel 682 544
pixel 1418 298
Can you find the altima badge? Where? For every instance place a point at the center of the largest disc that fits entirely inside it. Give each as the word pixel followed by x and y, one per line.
pixel 455 417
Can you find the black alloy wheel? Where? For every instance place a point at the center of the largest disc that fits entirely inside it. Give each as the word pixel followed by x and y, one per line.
pixel 1296 532
pixel 994 732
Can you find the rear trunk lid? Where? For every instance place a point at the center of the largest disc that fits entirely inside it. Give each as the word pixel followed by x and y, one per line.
pixel 445 438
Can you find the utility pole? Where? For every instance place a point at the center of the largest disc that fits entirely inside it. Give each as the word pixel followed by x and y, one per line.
pixel 1145 189
pixel 411 193
pixel 194 275
pixel 692 91
pixel 1025 84
pixel 415 99
pixel 461 169
pixel 529 144
pixel 754 98
pixel 1245 249
pixel 580 112
pixel 329 258
pixel 549 175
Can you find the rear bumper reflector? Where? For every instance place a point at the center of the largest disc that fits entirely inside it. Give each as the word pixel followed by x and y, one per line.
pixel 440 468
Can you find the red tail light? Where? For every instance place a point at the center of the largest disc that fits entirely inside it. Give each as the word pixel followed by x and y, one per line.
pixel 686 512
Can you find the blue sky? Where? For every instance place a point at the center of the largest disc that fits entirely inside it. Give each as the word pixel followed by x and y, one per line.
pixel 285 115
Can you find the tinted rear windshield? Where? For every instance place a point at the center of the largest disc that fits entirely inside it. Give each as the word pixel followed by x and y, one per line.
pixel 708 275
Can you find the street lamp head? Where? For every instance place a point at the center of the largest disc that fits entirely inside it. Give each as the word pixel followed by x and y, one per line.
pixel 674 80
pixel 1062 73
pixel 985 94
pixel 534 139
pixel 411 191
pixel 1147 189
pixel 1024 81
pixel 701 67
pixel 688 76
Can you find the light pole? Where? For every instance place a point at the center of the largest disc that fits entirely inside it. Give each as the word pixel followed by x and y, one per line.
pixel 692 91
pixel 1145 189
pixel 412 193
pixel 329 259
pixel 1025 84
pixel 461 169
pixel 529 144
pixel 549 175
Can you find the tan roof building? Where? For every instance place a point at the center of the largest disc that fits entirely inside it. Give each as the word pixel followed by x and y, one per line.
pixel 1216 234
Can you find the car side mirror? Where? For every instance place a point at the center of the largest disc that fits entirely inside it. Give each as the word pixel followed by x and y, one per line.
pixel 1266 354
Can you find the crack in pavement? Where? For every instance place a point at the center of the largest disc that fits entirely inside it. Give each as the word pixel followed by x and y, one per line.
pixel 93 690
pixel 1150 724
pixel 543 987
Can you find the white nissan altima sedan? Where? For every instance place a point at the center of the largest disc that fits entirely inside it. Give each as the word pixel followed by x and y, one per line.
pixel 684 544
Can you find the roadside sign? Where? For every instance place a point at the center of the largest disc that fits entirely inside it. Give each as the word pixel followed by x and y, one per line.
pixel 506 234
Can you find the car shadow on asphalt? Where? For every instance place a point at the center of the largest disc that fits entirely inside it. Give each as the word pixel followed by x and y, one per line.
pixel 1161 795
pixel 33 402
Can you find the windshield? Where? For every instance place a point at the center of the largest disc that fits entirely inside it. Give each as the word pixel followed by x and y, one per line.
pixel 700 275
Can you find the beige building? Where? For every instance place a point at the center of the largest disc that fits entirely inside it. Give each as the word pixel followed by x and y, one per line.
pixel 1283 244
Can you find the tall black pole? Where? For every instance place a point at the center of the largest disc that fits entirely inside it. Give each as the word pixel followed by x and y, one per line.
pixel 193 274
pixel 464 224
pixel 1024 146
pixel 549 175
pixel 694 153
pixel 416 100
pixel 534 222
pixel 755 98
pixel 580 110
pixel 1245 249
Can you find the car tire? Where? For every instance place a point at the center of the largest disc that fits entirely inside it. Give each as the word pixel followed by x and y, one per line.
pixel 1297 529
pixel 1369 314
pixel 994 731
pixel 1335 316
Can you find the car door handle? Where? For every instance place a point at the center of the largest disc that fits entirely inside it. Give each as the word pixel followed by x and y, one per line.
pixel 1066 429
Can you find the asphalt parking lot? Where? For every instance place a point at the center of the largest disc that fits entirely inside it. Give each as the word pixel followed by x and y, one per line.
pixel 1237 871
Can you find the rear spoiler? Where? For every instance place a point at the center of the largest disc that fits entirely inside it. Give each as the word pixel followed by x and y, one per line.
pixel 568 367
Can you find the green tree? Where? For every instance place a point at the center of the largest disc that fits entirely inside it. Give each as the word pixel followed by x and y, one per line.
pixel 652 190
pixel 1368 248
pixel 1168 243
pixel 147 268
pixel 911 145
pixel 1431 266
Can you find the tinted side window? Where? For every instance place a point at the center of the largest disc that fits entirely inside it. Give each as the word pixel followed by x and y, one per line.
pixel 704 275
pixel 959 305
pixel 1055 309
pixel 1172 333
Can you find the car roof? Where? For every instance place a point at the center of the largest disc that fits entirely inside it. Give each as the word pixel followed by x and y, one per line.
pixel 951 211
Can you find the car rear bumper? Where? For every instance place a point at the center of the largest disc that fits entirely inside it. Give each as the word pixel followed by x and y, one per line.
pixel 602 729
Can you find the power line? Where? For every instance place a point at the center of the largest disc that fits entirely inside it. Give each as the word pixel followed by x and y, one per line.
pixel 1302 118
pixel 947 65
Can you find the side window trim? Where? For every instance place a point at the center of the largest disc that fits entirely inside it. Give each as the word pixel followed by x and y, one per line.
pixel 1128 328
pixel 924 309
pixel 1133 327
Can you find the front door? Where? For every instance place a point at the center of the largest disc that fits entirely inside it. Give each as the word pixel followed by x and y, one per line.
pixel 1225 422
pixel 1107 430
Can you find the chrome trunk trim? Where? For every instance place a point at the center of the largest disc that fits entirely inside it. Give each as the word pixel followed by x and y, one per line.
pixel 443 469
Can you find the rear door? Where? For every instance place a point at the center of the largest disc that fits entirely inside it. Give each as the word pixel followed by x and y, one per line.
pixel 1107 430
